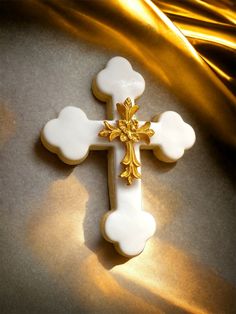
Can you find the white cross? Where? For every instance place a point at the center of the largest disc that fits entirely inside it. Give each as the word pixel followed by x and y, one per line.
pixel 72 135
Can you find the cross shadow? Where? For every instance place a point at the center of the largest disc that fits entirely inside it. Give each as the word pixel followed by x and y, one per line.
pixel 106 253
pixel 52 160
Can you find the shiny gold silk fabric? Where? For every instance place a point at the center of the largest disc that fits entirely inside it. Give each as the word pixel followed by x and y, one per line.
pixel 188 45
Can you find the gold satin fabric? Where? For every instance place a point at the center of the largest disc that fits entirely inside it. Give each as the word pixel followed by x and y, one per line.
pixel 188 45
pixel 210 28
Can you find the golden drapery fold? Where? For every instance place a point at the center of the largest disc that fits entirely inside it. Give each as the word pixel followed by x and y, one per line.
pixel 188 45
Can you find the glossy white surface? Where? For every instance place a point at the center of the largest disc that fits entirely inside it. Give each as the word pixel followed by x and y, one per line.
pixel 118 81
pixel 173 136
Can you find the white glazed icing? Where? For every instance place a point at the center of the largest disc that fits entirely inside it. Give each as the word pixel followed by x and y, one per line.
pixel 118 80
pixel 72 135
pixel 172 136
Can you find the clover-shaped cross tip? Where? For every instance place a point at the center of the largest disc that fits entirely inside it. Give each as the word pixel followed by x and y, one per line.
pixel 129 230
pixel 67 137
pixel 173 136
pixel 119 81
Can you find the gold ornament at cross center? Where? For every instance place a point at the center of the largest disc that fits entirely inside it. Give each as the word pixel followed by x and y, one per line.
pixel 127 130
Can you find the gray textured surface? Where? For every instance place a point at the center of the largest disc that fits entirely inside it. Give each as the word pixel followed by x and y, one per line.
pixel 42 71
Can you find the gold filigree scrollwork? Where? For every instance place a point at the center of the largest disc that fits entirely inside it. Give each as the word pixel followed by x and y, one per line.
pixel 127 130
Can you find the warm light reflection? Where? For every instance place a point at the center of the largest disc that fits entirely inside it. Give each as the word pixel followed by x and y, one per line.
pixel 209 36
pixel 56 237
pixel 159 280
pixel 221 8
pixel 136 8
pixel 216 12
pixel 218 70
pixel 169 273
pixel 55 232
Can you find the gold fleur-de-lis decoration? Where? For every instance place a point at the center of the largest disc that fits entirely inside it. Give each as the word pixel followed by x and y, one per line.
pixel 127 130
